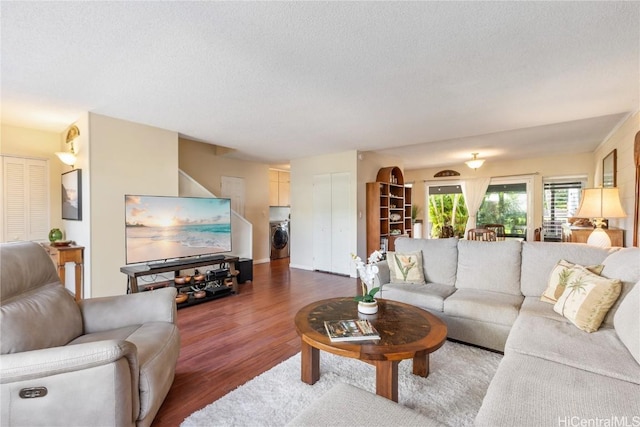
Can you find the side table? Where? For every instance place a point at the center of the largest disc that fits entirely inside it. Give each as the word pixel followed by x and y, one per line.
pixel 64 254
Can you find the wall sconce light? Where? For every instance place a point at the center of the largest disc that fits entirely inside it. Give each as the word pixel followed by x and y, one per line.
pixel 600 203
pixel 69 157
pixel 474 163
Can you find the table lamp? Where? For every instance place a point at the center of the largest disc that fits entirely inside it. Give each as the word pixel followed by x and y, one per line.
pixel 598 204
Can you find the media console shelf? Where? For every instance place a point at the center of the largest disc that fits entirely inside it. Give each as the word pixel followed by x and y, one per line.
pixel 135 271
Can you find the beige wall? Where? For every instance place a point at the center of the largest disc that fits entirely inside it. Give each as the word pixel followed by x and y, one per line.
pixel 23 142
pixel 622 140
pixel 578 164
pixel 124 158
pixel 206 165
pixel 302 173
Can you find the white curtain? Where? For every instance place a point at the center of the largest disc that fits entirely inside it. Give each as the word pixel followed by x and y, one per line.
pixel 474 191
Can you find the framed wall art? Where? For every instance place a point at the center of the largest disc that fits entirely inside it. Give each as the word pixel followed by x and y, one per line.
pixel 609 170
pixel 72 195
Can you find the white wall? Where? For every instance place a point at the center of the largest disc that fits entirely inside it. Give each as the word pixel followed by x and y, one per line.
pixel 302 172
pixel 622 139
pixel 124 158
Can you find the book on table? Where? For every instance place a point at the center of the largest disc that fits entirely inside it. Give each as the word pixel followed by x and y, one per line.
pixel 351 330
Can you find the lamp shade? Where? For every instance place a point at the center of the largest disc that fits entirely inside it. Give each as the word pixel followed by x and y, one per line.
pixel 600 203
pixel 66 157
pixel 474 163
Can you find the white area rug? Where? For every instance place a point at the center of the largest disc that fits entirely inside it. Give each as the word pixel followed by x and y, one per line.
pixel 452 394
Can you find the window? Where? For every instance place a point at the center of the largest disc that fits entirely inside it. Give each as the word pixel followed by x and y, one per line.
pixel 447 211
pixel 561 202
pixel 508 201
pixel 505 204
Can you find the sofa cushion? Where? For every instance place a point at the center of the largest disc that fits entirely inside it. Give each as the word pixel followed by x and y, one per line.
pixel 539 258
pixel 623 264
pixel 486 306
pixel 406 267
pixel 528 391
pixel 559 277
pixel 25 266
pixel 534 307
pixel 430 296
pixel 439 257
pixel 561 342
pixel 489 266
pixel 627 321
pixel 587 298
pixel 43 317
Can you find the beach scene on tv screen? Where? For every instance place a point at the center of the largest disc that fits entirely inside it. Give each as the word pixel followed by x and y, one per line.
pixel 159 228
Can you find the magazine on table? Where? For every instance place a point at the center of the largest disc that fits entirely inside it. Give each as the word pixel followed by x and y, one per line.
pixel 350 330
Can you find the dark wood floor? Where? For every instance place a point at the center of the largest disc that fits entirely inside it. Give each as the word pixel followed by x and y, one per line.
pixel 228 341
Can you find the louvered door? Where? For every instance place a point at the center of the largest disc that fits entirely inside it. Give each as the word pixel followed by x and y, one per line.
pixel 25 199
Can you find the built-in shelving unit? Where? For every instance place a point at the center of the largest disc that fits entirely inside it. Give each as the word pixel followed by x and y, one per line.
pixel 388 209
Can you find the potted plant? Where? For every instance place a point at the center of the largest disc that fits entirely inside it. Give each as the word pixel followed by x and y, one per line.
pixel 367 303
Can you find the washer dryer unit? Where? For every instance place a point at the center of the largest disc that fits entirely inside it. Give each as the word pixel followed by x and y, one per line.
pixel 279 239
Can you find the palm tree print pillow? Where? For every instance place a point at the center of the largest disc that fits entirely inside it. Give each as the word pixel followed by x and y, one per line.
pixel 587 298
pixel 406 267
pixel 560 276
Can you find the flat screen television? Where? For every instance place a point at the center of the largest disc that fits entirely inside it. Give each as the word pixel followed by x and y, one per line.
pixel 160 228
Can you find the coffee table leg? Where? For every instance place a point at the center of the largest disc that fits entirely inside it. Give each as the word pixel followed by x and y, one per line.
pixel 387 379
pixel 421 364
pixel 310 361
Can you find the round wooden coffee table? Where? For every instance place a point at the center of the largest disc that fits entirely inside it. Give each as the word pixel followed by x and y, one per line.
pixel 406 332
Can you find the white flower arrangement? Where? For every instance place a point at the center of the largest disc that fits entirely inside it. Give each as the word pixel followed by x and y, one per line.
pixel 367 273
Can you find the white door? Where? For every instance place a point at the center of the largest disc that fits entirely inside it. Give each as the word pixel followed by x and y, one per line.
pixel 331 228
pixel 322 222
pixel 340 227
pixel 233 188
pixel 25 198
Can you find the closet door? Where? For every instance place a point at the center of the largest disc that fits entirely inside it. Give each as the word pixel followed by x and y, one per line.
pixel 331 231
pixel 340 229
pixel 322 222
pixel 25 199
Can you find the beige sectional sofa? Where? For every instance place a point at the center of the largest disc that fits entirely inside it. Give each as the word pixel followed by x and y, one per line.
pixel 552 373
pixel 103 362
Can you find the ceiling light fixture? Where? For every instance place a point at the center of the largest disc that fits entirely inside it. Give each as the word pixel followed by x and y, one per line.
pixel 69 157
pixel 474 163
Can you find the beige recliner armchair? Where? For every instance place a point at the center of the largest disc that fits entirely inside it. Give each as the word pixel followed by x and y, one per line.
pixel 101 362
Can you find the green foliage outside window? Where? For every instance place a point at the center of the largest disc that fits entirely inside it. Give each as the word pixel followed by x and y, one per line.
pixel 447 210
pixel 505 207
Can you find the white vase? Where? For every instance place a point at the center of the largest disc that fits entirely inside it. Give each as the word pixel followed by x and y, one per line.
pixel 368 307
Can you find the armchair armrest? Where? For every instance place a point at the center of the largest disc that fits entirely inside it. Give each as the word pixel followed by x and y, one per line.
pixel 29 365
pixel 101 314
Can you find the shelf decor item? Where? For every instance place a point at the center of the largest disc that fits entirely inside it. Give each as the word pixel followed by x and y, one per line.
pixel 367 303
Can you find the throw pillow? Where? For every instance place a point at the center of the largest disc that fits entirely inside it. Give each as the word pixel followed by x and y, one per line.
pixel 559 278
pixel 587 298
pixel 406 267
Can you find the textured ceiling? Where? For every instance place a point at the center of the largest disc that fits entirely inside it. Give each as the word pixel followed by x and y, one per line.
pixel 429 81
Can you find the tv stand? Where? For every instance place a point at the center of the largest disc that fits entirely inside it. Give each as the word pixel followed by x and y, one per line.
pixel 135 271
pixel 185 262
